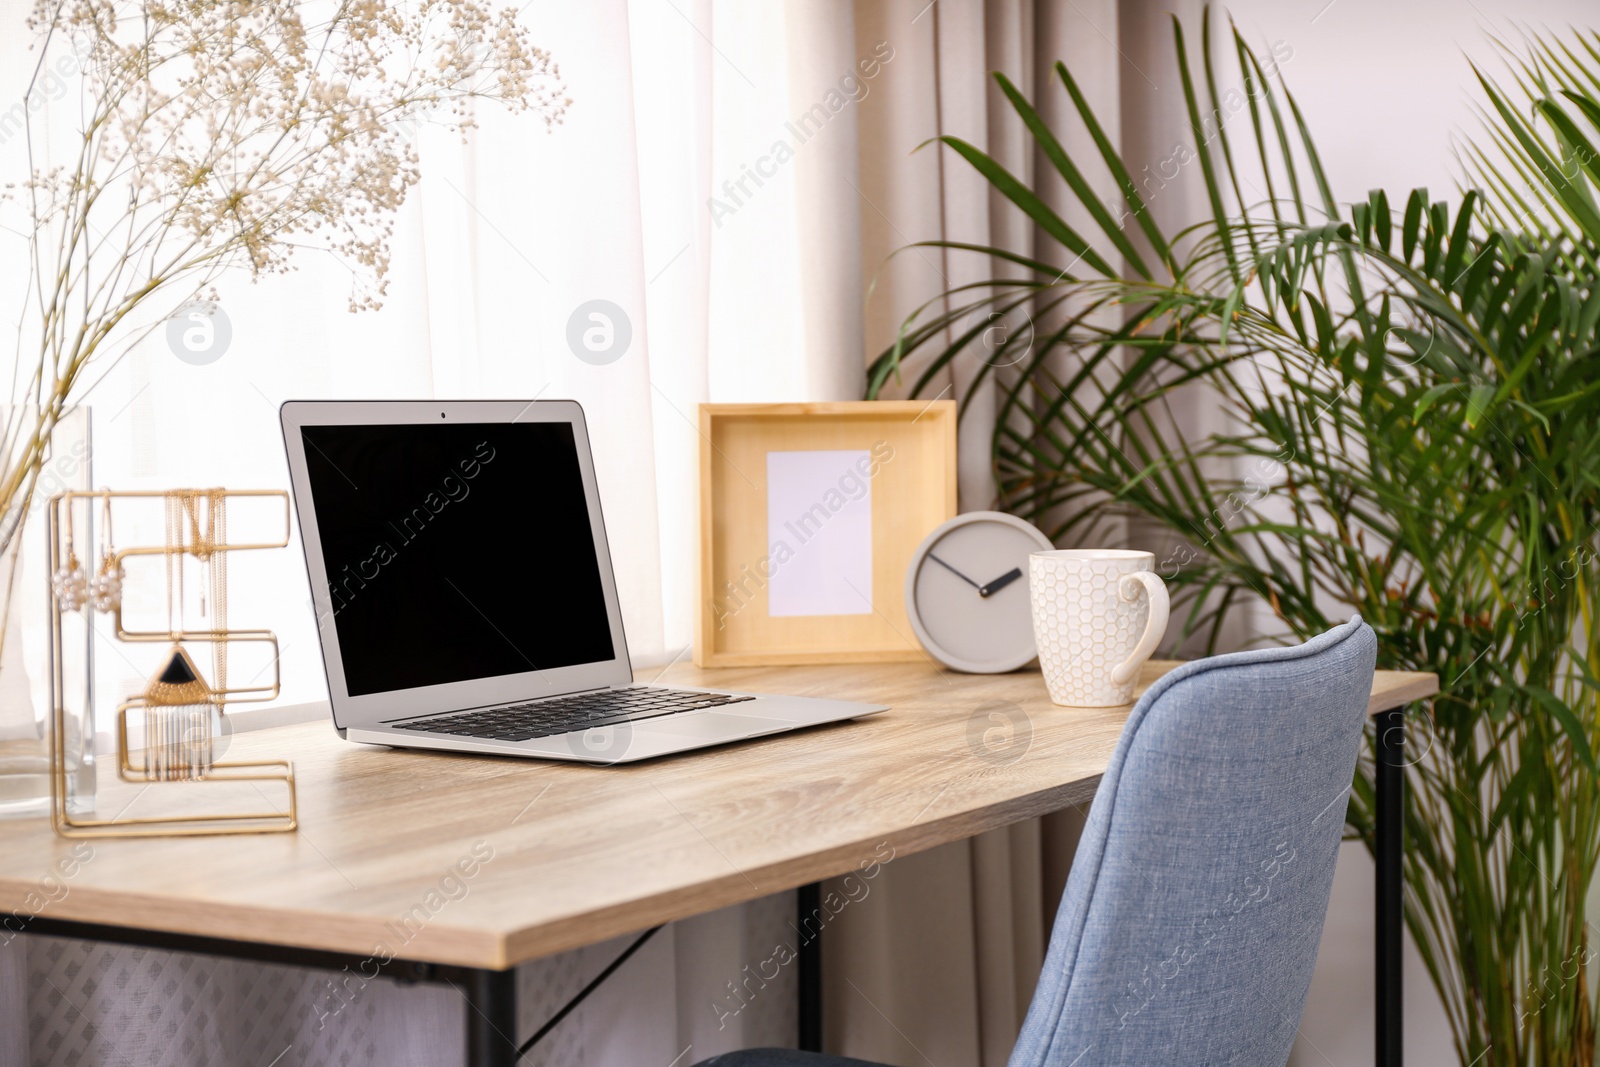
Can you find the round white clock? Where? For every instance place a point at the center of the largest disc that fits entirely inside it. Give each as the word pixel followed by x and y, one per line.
pixel 967 592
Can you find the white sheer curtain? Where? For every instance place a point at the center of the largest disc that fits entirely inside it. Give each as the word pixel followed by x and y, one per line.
pixel 507 235
pixel 672 101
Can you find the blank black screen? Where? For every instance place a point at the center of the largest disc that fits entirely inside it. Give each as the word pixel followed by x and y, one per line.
pixel 456 551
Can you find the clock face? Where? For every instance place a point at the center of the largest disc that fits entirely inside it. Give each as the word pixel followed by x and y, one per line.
pixel 967 592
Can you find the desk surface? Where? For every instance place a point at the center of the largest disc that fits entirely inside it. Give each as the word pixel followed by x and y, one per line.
pixel 569 855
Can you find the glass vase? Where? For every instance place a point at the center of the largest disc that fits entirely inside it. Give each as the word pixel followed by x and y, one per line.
pixel 25 620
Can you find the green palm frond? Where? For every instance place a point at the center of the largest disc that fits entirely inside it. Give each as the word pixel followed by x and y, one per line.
pixel 1413 396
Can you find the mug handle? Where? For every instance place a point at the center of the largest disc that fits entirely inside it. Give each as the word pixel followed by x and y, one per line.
pixel 1154 629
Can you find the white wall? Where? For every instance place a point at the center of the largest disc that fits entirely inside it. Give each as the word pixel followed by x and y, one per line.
pixel 1386 89
pixel 1386 85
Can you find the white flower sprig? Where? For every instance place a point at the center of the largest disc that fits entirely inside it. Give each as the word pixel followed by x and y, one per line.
pixel 223 134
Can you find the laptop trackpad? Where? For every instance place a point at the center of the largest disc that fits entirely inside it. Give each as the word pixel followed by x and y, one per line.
pixel 715 724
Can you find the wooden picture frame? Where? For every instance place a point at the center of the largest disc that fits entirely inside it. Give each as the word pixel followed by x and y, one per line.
pixel 904 451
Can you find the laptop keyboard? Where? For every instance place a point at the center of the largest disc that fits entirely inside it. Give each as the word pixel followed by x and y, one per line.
pixel 560 715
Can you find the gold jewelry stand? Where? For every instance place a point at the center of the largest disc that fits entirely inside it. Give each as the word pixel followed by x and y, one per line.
pixel 185 691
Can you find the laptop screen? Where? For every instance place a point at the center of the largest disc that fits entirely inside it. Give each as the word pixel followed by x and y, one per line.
pixel 455 552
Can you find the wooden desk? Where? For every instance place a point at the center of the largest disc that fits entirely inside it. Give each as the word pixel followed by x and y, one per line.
pixel 563 855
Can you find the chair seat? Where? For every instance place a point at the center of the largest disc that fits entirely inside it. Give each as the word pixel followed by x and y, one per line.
pixel 781 1057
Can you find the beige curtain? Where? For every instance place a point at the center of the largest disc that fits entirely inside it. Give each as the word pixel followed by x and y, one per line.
pixel 939 962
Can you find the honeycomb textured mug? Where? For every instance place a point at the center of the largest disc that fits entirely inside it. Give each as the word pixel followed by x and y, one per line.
pixel 1098 614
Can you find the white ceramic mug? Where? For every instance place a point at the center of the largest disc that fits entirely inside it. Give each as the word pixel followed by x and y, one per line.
pixel 1093 624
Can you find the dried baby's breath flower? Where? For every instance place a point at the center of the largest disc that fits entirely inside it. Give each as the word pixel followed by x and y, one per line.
pixel 217 134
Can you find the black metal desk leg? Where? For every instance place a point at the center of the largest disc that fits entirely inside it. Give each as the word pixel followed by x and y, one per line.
pixel 1389 832
pixel 491 1011
pixel 809 922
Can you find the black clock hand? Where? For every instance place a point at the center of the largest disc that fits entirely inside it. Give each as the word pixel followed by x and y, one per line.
pixel 955 572
pixel 1000 583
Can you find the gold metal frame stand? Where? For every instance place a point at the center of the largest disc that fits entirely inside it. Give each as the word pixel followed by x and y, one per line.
pixel 178 691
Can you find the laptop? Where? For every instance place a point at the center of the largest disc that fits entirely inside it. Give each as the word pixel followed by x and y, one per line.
pixel 465 600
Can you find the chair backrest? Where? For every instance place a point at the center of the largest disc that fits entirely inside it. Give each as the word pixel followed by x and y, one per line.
pixel 1191 919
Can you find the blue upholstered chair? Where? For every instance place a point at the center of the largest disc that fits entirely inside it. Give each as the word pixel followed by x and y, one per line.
pixel 1190 922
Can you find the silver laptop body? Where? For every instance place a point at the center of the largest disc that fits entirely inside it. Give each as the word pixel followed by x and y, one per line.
pixel 464 593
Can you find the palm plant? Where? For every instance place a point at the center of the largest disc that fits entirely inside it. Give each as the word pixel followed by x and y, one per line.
pixel 1414 434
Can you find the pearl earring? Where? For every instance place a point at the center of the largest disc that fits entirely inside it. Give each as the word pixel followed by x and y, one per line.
pixel 69 583
pixel 105 589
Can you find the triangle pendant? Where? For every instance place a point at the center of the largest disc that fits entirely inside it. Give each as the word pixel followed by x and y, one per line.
pixel 178 683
